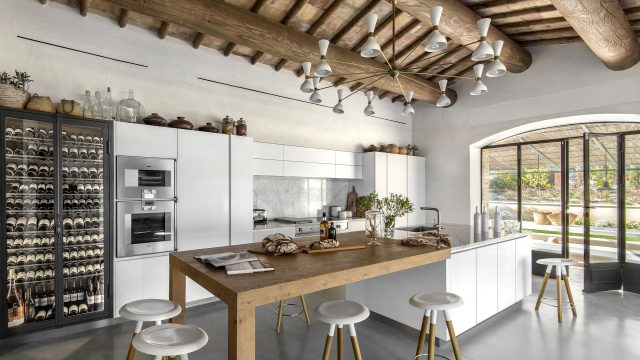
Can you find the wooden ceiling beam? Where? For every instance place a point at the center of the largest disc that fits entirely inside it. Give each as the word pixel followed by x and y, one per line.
pixel 293 11
pixel 405 30
pixel 197 40
pixel 383 95
pixel 459 23
pixel 254 9
pixel 222 20
pixel 397 98
pixel 123 19
pixel 163 30
pixel 558 41
pixel 84 7
pixel 536 25
pixel 536 13
pixel 43 2
pixel 545 34
pixel 355 87
pixel 415 45
pixel 354 20
pixel 379 27
pixel 502 6
pixel 605 29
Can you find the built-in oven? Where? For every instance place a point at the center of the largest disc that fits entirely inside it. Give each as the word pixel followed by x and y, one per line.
pixel 145 227
pixel 145 178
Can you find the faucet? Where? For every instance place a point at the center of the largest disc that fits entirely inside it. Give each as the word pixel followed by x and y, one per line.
pixel 437 225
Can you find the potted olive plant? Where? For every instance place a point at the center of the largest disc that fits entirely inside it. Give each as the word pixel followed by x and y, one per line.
pixel 392 207
pixel 13 89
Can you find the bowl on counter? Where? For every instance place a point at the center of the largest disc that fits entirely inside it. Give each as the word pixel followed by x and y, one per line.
pixel 345 214
pixel 335 211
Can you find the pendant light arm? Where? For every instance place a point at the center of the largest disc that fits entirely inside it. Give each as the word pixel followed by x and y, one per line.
pixel 364 86
pixel 354 80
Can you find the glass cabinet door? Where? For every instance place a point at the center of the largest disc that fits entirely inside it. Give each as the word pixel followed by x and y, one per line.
pixel 83 204
pixel 29 207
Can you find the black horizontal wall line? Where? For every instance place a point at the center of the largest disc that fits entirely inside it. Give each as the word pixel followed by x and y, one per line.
pixel 288 98
pixel 82 51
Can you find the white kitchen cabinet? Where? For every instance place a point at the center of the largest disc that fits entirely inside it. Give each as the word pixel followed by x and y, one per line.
pixel 348 158
pixel 309 170
pixel 144 140
pixel 310 155
pixel 202 215
pixel 259 234
pixel 140 278
pixel 397 180
pixel 486 282
pixel 374 173
pixel 267 151
pixel 506 274
pixel 348 172
pixel 268 167
pixel 523 268
pixel 356 225
pixel 416 190
pixel 241 190
pixel 461 280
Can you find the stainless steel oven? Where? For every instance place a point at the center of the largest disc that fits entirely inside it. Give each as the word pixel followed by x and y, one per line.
pixel 145 227
pixel 145 178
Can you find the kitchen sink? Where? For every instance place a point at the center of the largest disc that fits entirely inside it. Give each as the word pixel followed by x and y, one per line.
pixel 421 228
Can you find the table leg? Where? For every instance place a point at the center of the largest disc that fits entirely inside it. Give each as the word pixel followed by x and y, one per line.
pixel 565 277
pixel 177 290
pixel 559 291
pixel 242 332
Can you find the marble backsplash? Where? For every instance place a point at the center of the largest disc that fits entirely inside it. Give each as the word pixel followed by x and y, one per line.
pixel 298 197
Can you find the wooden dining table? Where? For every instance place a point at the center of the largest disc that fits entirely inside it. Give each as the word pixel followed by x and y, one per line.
pixel 294 275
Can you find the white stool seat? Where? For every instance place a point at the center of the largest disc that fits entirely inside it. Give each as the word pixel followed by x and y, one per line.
pixel 556 262
pixel 170 340
pixel 341 312
pixel 150 310
pixel 436 301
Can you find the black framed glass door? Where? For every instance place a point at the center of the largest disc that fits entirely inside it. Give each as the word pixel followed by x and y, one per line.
pixel 630 157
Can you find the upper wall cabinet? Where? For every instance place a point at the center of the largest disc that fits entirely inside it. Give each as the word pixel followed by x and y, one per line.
pixel 296 161
pixel 146 141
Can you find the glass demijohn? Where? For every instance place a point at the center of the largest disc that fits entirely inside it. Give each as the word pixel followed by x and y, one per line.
pixel 130 110
pixel 374 226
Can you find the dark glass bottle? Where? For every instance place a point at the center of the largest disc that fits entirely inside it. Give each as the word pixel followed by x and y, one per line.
pixel 332 232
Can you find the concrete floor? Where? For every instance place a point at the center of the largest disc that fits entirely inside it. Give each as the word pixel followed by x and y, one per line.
pixel 607 327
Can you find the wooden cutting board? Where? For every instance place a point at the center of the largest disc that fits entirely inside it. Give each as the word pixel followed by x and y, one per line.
pixel 337 248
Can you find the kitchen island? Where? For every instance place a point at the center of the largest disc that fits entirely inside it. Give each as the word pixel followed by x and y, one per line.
pixel 489 271
pixel 294 275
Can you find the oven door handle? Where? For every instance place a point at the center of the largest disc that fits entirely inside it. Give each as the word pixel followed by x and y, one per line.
pixel 163 233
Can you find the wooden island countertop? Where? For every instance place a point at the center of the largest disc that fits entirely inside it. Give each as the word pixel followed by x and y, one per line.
pixel 294 275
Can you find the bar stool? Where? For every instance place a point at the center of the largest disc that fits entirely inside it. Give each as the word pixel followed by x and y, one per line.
pixel 339 313
pixel 154 310
pixel 280 310
pixel 165 340
pixel 562 274
pixel 431 303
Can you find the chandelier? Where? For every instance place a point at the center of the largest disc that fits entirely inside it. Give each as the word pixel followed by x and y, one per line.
pixel 435 43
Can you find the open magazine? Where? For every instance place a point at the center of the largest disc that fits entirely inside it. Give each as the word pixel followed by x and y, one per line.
pixel 259 265
pixel 228 258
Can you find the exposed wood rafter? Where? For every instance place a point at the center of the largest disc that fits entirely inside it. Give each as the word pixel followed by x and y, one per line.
pixel 256 7
pixel 197 41
pixel 379 27
pixel 123 20
pixel 293 11
pixel 84 7
pixel 164 28
pixel 354 20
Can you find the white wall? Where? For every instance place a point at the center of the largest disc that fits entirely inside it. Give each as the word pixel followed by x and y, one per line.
pixel 169 85
pixel 563 80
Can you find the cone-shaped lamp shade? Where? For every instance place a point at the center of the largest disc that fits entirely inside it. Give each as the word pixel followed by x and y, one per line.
pixel 408 96
pixel 306 67
pixel 443 100
pixel 323 44
pixel 497 47
pixel 436 13
pixel 435 42
pixel 479 88
pixel 407 110
pixel 369 95
pixel 477 70
pixel 339 108
pixel 496 68
pixel 369 110
pixel 484 51
pixel 371 48
pixel 307 86
pixel 315 98
pixel 443 85
pixel 323 68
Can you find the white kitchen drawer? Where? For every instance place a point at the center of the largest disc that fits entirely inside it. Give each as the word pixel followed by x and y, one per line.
pixel 144 140
pixel 268 151
pixel 268 167
pixel 310 155
pixel 487 286
pixel 310 170
pixel 506 274
pixel 348 172
pixel 140 278
pixel 461 280
pixel 348 158
pixel 523 268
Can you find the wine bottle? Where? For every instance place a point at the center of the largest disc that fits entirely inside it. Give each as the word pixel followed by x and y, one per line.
pixel 82 301
pixel 99 297
pixel 73 300
pixel 51 295
pixel 15 306
pixel 30 308
pixel 324 227
pixel 333 233
pixel 66 298
pixel 41 304
pixel 51 312
pixel 90 297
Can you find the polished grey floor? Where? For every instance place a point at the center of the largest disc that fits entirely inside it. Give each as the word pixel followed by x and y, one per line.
pixel 607 327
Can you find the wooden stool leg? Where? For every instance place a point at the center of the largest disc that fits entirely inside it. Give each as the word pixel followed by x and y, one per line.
pixel 132 350
pixel 327 344
pixel 559 291
pixel 279 320
pixel 432 335
pixel 565 277
pixel 423 333
pixel 544 286
pixel 354 342
pixel 340 343
pixel 452 335
pixel 304 309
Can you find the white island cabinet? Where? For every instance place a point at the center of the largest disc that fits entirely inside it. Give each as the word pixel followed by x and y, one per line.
pixel 489 275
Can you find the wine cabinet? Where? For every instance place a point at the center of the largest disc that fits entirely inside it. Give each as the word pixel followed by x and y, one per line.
pixel 56 245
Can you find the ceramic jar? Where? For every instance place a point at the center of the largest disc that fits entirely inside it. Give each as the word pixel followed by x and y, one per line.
pixel 155 120
pixel 181 123
pixel 241 127
pixel 208 127
pixel 228 125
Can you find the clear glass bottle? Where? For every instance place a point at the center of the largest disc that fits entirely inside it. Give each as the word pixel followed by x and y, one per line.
pixel 374 227
pixel 130 110
pixel 324 227
pixel 109 108
pixel 87 107
pixel 97 106
pixel 15 306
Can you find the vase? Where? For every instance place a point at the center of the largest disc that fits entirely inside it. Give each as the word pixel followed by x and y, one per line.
pixel 389 224
pixel 130 110
pixel 373 226
pixel 13 97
